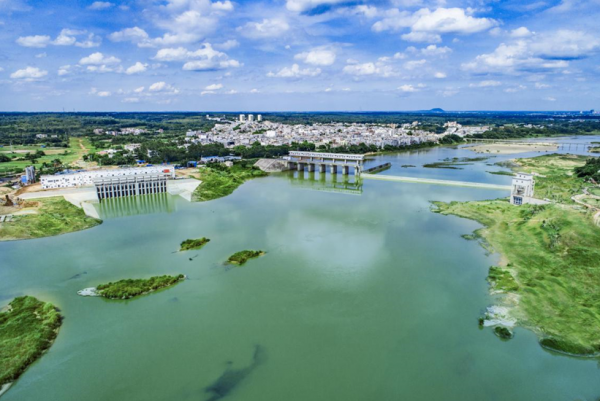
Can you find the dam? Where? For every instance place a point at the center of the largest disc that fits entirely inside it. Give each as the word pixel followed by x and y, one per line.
pixel 116 187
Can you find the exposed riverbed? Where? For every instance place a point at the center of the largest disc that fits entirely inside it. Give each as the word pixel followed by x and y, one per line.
pixel 364 294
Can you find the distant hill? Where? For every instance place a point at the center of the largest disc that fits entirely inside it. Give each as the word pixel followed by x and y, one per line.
pixel 437 110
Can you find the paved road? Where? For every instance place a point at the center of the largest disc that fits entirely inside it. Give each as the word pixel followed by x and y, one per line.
pixel 383 177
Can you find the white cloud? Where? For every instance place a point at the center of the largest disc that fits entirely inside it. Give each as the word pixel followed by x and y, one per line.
pixel 104 93
pixel 227 45
pixel 66 37
pixel 139 90
pixel 515 89
pixel 305 5
pixel 318 56
pixel 411 65
pixel 134 35
pixel 427 26
pixel 254 91
pixel 222 5
pixel 485 84
pixel 539 85
pixel 163 87
pixel 136 68
pixel 34 41
pixel 433 50
pixel 408 88
pixel 213 87
pixel 295 72
pixel 204 59
pixel 204 93
pixel 99 59
pixel 440 75
pixel 64 70
pixel 41 55
pixel 268 28
pixel 29 74
pixel 101 5
pixel 521 32
pixel 131 100
pixel 366 69
pixel 551 50
pixel 550 99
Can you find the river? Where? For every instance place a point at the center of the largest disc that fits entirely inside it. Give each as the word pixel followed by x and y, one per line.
pixel 364 294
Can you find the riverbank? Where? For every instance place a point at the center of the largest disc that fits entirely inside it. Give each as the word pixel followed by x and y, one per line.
pixel 549 268
pixel 219 181
pixel 508 148
pixel 45 218
pixel 27 329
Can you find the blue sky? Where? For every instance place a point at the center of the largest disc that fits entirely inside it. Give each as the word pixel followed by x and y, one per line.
pixel 299 55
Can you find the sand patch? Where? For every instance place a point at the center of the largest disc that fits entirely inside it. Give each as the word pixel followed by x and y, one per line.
pixel 509 148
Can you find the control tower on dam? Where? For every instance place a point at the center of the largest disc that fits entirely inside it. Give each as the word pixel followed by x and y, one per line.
pixel 300 160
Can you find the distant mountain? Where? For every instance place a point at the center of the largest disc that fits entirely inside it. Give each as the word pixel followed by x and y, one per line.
pixel 437 110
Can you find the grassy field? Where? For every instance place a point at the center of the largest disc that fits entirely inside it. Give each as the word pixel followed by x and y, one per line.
pixel 26 331
pixel 218 181
pixel 553 254
pixel 54 216
pixel 129 288
pixel 559 183
pixel 77 148
pixel 592 201
pixel 594 191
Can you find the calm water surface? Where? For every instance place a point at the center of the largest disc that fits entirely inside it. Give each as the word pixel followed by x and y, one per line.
pixel 364 294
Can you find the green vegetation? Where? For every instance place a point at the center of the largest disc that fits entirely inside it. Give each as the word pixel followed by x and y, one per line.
pixel 503 332
pixel 591 169
pixel 129 288
pixel 55 216
pixel 241 257
pixel 594 191
pixel 554 252
pixel 557 180
pixel 595 149
pixel 502 280
pixel 407 165
pixel 189 244
pixel 219 181
pixel 508 173
pixel 27 329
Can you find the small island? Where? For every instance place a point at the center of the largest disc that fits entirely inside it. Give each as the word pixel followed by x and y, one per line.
pixel 219 180
pixel 241 257
pixel 190 244
pixel 27 329
pixel 130 288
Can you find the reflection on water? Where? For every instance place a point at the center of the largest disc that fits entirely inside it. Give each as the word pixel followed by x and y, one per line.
pixel 136 205
pixel 344 184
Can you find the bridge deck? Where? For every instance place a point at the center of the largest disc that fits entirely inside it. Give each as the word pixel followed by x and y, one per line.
pixel 396 178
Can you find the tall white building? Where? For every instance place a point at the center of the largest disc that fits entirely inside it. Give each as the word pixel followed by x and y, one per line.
pixel 250 117
pixel 242 117
pixel 84 178
pixel 259 118
pixel 522 189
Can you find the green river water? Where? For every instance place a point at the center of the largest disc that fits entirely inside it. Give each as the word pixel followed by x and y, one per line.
pixel 364 294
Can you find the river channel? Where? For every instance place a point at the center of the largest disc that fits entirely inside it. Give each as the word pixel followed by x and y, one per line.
pixel 364 294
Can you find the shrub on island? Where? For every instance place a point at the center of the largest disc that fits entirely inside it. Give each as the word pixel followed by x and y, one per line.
pixel 27 329
pixel 241 257
pixel 189 244
pixel 129 288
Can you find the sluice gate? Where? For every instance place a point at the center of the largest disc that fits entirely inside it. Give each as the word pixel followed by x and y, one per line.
pixel 117 187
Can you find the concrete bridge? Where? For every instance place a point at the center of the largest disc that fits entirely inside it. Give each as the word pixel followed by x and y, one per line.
pixel 299 160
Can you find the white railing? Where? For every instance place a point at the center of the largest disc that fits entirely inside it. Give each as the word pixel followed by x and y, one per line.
pixel 319 155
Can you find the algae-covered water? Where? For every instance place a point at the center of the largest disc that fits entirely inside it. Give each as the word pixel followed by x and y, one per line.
pixel 364 294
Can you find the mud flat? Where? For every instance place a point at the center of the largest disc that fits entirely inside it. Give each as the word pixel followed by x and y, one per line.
pixel 509 148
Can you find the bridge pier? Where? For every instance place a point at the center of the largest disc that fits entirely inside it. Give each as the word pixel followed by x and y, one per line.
pixel 333 169
pixel 300 166
pixel 345 170
pixel 311 167
pixel 356 171
pixel 322 168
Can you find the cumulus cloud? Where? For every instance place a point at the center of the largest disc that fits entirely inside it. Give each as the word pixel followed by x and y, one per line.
pixel 203 59
pixel 408 89
pixel 485 84
pixel 34 41
pixel 29 74
pixel 521 32
pixel 433 50
pixel 228 45
pixel 551 50
pixel 64 70
pixel 101 5
pixel 268 28
pixel 66 37
pixel 319 56
pixel 163 87
pixel 99 59
pixel 136 68
pixel 427 26
pixel 295 72
pixel 365 69
pixel 213 87
pixel 134 35
pixel 440 75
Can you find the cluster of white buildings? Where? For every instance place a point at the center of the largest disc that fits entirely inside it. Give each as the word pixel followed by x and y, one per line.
pixel 122 131
pixel 246 132
pixel 86 178
pixel 250 118
pixel 452 127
